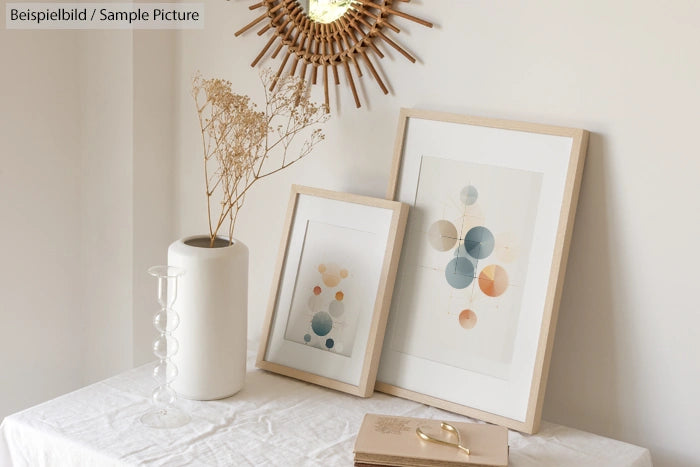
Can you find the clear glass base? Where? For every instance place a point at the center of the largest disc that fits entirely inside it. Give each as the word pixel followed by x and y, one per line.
pixel 165 346
pixel 165 418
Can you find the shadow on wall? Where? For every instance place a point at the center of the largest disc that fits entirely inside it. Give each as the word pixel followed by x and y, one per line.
pixel 582 390
pixel 589 379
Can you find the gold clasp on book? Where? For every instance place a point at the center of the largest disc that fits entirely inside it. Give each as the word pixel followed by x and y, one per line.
pixel 447 427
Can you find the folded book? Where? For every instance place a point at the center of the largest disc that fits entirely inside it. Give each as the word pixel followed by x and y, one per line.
pixel 386 440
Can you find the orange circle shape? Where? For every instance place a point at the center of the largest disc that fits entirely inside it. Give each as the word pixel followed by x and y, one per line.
pixel 467 319
pixel 331 280
pixel 493 280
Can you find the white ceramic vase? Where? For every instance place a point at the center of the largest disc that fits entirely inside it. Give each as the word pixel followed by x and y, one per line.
pixel 212 301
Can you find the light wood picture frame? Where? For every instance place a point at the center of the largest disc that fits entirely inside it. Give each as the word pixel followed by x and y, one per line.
pixel 480 279
pixel 332 289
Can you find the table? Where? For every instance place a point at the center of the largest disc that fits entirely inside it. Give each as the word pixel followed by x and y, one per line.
pixel 274 420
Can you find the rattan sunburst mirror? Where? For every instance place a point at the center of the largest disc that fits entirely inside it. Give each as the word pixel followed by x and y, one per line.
pixel 329 34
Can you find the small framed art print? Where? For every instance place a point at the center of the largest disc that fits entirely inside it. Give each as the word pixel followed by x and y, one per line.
pixel 332 289
pixel 474 311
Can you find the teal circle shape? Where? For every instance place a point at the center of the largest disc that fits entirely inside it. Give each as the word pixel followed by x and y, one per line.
pixel 307 338
pixel 330 343
pixel 321 323
pixel 459 272
pixel 479 242
pixel 469 195
pixel 461 251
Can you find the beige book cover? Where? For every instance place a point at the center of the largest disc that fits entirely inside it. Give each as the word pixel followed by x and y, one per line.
pixel 393 441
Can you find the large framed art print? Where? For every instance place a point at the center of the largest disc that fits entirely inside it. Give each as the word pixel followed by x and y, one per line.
pixel 480 277
pixel 332 289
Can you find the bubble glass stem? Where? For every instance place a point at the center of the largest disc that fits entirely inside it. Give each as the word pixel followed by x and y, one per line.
pixel 165 320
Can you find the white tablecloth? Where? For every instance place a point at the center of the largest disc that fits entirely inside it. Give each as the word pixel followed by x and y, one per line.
pixel 274 420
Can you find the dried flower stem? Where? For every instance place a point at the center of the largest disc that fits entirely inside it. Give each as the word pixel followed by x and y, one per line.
pixel 239 140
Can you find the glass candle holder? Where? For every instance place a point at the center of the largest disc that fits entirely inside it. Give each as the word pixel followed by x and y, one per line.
pixel 166 320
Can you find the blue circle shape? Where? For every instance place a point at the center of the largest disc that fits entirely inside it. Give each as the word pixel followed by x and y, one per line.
pixel 479 242
pixel 336 308
pixel 322 323
pixel 459 272
pixel 307 338
pixel 461 251
pixel 469 195
pixel 330 343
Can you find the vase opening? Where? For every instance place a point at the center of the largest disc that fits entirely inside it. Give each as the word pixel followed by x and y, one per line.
pixel 205 242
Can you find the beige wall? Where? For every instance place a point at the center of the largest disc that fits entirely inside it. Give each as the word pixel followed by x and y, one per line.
pixel 107 180
pixel 624 362
pixel 85 186
pixel 40 229
pixel 153 172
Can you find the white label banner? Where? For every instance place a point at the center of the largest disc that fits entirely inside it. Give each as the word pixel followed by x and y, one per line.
pixel 104 15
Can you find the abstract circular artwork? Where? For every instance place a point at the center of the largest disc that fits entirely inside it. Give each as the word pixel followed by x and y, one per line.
pixel 459 272
pixel 322 323
pixel 478 243
pixel 328 314
pixel 507 247
pixel 442 235
pixel 469 195
pixel 467 319
pixel 493 280
pixel 336 309
pixel 332 274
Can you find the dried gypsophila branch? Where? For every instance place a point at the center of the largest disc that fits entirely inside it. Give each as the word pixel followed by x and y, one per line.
pixel 238 139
